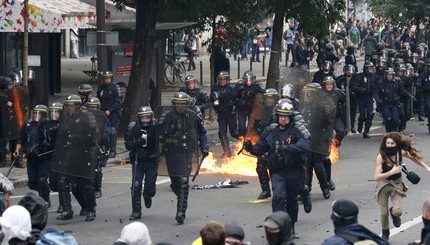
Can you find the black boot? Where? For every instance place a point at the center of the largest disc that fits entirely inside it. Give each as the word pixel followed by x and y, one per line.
pixel 225 144
pixel 360 126
pixel 98 183
pixel 43 188
pixel 263 177
pixel 265 194
pixel 87 190
pixel 182 201
pixel 80 197
pixel 65 215
pixel 306 199
pixel 386 234
pixel 112 141
pixel 60 209
pixel 136 201
pixel 65 199
pixel 18 162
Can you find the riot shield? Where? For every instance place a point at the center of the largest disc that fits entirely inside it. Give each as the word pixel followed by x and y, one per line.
pixel 318 108
pixel 298 77
pixel 177 140
pixel 261 117
pixel 78 142
pixel 14 106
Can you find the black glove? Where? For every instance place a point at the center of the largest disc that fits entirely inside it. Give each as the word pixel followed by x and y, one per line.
pixel 205 151
pixel 247 145
pixel 282 149
pixel 142 142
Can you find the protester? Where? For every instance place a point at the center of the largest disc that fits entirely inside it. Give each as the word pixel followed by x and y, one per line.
pixel 213 233
pixel 16 225
pixel 425 232
pixel 278 228
pixel 135 233
pixel 234 233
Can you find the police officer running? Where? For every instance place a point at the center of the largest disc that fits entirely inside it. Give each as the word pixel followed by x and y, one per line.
pixel 199 96
pixel 286 146
pixel 222 98
pixel 181 133
pixel 111 105
pixel 140 140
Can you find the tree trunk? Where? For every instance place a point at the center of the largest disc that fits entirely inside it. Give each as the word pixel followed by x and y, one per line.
pixel 276 51
pixel 143 54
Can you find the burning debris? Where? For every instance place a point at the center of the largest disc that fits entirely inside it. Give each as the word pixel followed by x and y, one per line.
pixel 222 184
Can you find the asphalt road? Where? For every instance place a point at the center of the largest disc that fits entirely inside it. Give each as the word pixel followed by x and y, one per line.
pixel 353 175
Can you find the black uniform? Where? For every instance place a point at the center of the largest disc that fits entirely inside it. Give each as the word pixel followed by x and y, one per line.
pixel 175 125
pixel 141 142
pixel 341 83
pixel 245 96
pixel 320 74
pixel 47 136
pixel 110 101
pixel 423 81
pixel 38 167
pixel 224 107
pixel 200 96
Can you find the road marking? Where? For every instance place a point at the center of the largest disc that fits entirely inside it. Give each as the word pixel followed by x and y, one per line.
pixel 406 226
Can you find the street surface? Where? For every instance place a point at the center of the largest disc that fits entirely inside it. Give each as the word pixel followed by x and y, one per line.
pixel 353 175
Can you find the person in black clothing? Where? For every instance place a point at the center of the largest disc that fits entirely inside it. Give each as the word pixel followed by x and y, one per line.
pixel 199 96
pixel 302 56
pixel 111 105
pixel 38 166
pixel 140 141
pixel 350 57
pixel 222 98
pixel 326 69
pixel 423 84
pixel 245 91
pixel 279 229
pixel 331 54
pixel 85 91
pixel 425 232
pixel 286 146
pixel 344 83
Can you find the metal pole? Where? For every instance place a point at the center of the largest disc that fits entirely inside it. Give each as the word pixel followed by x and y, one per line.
pixel 264 62
pixel 101 36
pixel 201 73
pixel 25 47
pixel 238 68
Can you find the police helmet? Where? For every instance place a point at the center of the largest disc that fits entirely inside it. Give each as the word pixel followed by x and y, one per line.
pixel 369 67
pixel 284 109
pixel 223 75
pixel 190 78
pixel 39 110
pixel 84 90
pixel 181 98
pixel 420 51
pixel 55 108
pixel 16 78
pixel 73 100
pixel 287 91
pixel 328 80
pixel 350 49
pixel 392 53
pixel 271 92
pixel 326 66
pixel 329 46
pixel 409 69
pixel 93 103
pixel 31 73
pixel 414 58
pixel 249 76
pixel 348 69
pixel 381 62
pixel 147 113
pixel 380 46
pixel 389 71
pixel 284 100
pixel 5 82
pixel 397 61
pixel 311 86
pixel 106 74
pixel 401 67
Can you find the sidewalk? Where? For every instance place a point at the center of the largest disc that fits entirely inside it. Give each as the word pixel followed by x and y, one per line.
pixel 72 76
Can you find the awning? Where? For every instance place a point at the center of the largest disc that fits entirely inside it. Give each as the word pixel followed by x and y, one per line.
pixel 46 15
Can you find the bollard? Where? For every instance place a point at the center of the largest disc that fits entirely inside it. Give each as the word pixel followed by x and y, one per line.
pixel 264 62
pixel 201 73
pixel 238 68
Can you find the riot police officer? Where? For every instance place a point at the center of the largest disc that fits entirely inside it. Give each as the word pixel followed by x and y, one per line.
pixel 286 146
pixel 331 54
pixel 200 97
pixel 423 81
pixel 246 90
pixel 140 141
pixel 48 133
pixel 380 67
pixel 5 83
pixel 350 57
pixel 111 105
pixel 85 91
pixel 182 134
pixel 287 92
pixel 387 94
pixel 222 98
pixel 340 124
pixel 38 167
pixel 343 83
pixel 93 103
pixel 364 88
pixel 325 70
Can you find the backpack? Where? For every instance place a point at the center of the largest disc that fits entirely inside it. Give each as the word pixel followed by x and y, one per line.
pixel 357 240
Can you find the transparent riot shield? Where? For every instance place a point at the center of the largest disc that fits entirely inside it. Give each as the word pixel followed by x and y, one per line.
pixel 318 108
pixel 298 77
pixel 78 142
pixel 14 106
pixel 261 117
pixel 177 140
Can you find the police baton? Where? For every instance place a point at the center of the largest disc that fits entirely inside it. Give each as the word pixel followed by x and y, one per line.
pixel 10 168
pixel 45 153
pixel 198 168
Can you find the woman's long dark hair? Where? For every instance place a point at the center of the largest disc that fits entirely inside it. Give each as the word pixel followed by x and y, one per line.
pixel 402 142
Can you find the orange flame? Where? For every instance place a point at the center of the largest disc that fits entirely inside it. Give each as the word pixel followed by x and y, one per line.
pixel 17 108
pixel 236 164
pixel 334 151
